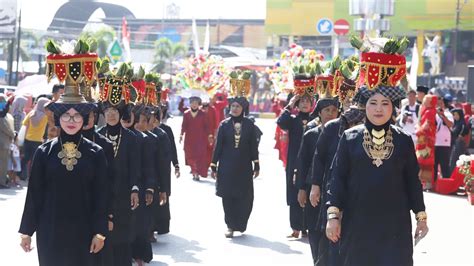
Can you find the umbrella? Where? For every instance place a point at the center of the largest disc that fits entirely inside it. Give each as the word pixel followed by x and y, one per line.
pixel 35 85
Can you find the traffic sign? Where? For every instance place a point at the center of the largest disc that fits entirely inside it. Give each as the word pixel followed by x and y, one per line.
pixel 324 26
pixel 341 27
pixel 115 51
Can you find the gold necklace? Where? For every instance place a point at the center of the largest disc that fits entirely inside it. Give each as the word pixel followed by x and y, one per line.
pixel 115 141
pixel 237 130
pixel 380 147
pixel 69 154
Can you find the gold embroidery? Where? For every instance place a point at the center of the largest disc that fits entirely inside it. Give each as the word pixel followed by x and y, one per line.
pixel 69 155
pixel 378 148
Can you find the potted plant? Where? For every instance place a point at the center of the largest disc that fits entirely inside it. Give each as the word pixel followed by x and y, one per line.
pixel 464 164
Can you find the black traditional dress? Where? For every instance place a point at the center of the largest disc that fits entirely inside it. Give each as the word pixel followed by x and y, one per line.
pixel 303 182
pixel 126 178
pixel 66 208
pixel 108 148
pixel 162 214
pixel 234 158
pixel 376 200
pixel 174 152
pixel 143 216
pixel 326 147
pixel 296 126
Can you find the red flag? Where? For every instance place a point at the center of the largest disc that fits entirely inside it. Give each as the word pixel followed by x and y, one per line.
pixel 126 40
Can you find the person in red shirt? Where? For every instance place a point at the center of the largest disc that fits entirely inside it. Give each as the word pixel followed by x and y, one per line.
pixel 219 101
pixel 210 112
pixel 196 133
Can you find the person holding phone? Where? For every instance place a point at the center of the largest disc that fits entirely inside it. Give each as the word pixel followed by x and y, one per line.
pixel 408 119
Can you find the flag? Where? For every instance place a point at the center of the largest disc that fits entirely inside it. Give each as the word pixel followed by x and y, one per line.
pixel 206 39
pixel 413 68
pixel 127 56
pixel 195 39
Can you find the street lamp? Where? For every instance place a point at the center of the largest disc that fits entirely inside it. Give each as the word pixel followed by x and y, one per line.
pixel 372 13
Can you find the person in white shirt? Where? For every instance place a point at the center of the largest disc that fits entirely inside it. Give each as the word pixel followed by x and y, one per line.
pixel 444 123
pixel 409 115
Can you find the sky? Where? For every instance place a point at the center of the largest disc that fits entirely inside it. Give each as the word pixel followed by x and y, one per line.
pixel 37 14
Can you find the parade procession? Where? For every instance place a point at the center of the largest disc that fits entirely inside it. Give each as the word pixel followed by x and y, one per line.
pixel 324 133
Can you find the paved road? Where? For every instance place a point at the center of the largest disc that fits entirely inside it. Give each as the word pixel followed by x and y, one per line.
pixel 197 226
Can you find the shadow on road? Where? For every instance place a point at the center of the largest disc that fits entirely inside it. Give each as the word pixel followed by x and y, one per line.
pixel 178 248
pixel 258 242
pixel 6 193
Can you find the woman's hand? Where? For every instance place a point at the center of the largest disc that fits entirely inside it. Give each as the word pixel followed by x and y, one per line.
pixel 333 230
pixel 96 245
pixel 256 174
pixel 421 229
pixel 213 174
pixel 26 243
pixel 177 173
pixel 148 198
pixel 134 200
pixel 163 198
pixel 302 197
pixel 315 195
pixel 293 101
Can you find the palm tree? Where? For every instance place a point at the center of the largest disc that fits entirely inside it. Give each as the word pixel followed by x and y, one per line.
pixel 166 52
pixel 104 36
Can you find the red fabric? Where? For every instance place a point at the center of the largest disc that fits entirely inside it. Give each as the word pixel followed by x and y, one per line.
pixel 281 144
pixel 372 64
pixel 181 106
pixel 211 118
pixel 467 108
pixel 196 132
pixel 220 106
pixel 449 185
pixel 426 134
pixel 276 108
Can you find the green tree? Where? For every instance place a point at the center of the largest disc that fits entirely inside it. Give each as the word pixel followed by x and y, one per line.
pixel 104 36
pixel 165 53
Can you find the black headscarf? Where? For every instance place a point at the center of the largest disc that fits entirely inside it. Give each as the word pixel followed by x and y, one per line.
pixel 323 103
pixel 459 127
pixel 60 108
pixel 242 101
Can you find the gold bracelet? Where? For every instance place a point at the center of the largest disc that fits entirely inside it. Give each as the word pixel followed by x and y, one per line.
pixel 333 209
pixel 213 165
pixel 24 236
pixel 421 216
pixel 100 237
pixel 256 161
pixel 333 216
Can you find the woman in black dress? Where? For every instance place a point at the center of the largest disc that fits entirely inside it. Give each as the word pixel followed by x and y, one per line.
pixel 235 151
pixel 125 169
pixel 67 200
pixel 326 109
pixel 296 126
pixel 375 184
